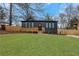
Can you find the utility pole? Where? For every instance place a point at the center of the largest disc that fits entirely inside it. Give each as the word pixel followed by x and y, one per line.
pixel 10 15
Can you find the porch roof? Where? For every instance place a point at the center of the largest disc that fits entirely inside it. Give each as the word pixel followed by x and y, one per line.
pixel 40 21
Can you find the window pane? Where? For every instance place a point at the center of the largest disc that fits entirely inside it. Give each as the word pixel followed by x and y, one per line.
pixel 49 25
pixel 29 25
pixel 46 25
pixel 26 24
pixel 32 24
pixel 52 25
pixel 23 24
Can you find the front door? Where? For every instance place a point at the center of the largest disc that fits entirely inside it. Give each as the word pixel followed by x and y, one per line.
pixel 40 27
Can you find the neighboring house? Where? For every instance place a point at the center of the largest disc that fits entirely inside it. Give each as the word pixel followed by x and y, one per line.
pixel 3 23
pixel 42 25
pixel 76 25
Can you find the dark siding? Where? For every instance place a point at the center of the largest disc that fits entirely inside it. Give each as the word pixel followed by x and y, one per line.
pixel 50 29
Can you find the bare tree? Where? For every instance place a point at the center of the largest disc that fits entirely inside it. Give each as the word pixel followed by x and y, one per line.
pixel 2 14
pixel 29 10
pixel 72 14
pixel 48 17
pixel 63 20
pixel 24 11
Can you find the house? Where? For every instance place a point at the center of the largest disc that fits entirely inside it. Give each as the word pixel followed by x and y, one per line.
pixel 42 25
pixel 2 24
pixel 76 25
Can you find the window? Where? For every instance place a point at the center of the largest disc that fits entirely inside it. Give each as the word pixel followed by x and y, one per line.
pixel 52 25
pixel 29 25
pixel 23 24
pixel 32 24
pixel 47 25
pixel 26 24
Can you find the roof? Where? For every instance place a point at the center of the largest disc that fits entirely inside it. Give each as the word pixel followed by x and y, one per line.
pixel 76 22
pixel 4 22
pixel 40 21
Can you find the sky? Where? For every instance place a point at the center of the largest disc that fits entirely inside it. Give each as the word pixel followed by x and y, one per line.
pixel 53 9
pixel 56 8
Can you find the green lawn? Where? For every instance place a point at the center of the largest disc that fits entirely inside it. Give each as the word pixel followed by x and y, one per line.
pixel 38 45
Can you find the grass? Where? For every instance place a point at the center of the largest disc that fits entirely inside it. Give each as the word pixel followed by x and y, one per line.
pixel 38 45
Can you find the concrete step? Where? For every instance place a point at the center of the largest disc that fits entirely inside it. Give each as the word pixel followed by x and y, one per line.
pixel 40 32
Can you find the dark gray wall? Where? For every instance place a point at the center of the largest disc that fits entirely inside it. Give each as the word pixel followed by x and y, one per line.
pixel 47 30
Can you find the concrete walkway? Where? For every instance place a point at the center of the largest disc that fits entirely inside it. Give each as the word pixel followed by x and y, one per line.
pixel 73 36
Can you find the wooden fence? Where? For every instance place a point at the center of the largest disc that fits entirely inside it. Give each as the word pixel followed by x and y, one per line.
pixel 20 29
pixel 16 29
pixel 68 31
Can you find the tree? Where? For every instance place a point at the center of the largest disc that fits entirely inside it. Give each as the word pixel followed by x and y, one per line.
pixel 72 14
pixel 29 9
pixel 69 11
pixel 24 11
pixel 48 17
pixel 63 20
pixel 2 14
pixel 73 23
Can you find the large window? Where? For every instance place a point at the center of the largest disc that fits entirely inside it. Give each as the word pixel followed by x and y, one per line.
pixel 47 25
pixel 26 24
pixel 32 24
pixel 52 25
pixel 29 24
pixel 23 24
